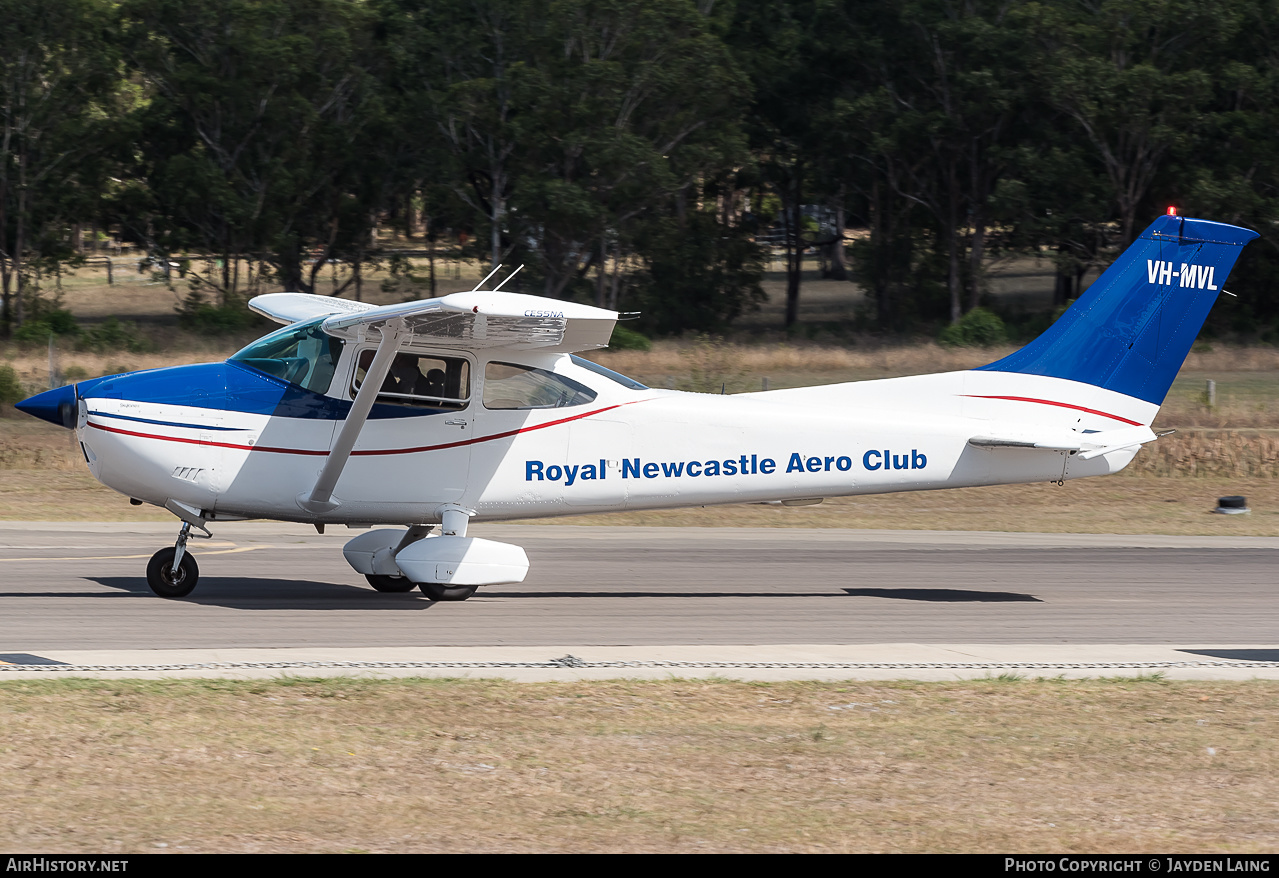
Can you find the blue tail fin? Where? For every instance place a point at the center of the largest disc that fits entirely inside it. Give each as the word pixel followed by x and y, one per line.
pixel 1131 331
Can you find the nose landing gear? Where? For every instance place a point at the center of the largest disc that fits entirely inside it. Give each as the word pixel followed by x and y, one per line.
pixel 171 572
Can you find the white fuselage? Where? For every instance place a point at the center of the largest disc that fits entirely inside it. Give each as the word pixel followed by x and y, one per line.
pixel 625 449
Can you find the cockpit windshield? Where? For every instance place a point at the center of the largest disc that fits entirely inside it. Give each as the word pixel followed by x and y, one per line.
pixel 301 354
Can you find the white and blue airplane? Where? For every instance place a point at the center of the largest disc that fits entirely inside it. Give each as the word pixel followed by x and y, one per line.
pixel 473 407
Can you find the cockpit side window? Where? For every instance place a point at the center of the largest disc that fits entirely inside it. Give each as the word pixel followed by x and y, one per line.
pixel 419 379
pixel 508 386
pixel 300 354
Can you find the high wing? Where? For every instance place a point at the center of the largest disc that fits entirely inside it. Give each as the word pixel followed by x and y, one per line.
pixel 469 320
pixel 289 308
pixel 482 319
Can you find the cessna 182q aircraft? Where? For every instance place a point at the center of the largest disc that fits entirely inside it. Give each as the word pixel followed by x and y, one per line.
pixel 473 407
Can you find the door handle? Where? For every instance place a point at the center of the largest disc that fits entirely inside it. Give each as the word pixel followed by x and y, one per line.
pixel 456 422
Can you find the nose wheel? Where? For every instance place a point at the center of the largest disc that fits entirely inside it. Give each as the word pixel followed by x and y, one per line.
pixel 172 572
pixel 170 583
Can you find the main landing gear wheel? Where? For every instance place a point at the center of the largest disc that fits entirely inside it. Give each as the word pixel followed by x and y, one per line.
pixel 439 591
pixel 390 583
pixel 164 581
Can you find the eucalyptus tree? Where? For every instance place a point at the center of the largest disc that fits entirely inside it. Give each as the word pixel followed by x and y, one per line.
pixel 638 106
pixel 778 44
pixel 252 136
pixel 955 83
pixel 465 72
pixel 565 123
pixel 60 94
pixel 1233 173
pixel 1136 79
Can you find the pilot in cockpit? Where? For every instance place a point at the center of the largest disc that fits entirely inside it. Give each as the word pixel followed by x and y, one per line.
pixel 403 376
pixel 434 384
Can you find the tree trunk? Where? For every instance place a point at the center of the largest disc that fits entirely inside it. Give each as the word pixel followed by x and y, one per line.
pixel 617 270
pixel 6 269
pixel 953 280
pixel 1062 287
pixel 603 270
pixel 880 256
pixel 497 202
pixel 976 270
pixel 794 247
pixel 838 269
pixel 19 242
pixel 430 253
pixel 291 270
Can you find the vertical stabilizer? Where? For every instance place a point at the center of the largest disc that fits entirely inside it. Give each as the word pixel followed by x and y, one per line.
pixel 1132 329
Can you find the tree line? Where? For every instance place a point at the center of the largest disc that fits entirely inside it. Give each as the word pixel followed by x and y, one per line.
pixel 636 155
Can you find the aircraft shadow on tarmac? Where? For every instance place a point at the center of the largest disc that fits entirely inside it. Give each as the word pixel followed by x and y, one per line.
pixel 252 593
pixel 1240 655
pixel 494 593
pixel 944 595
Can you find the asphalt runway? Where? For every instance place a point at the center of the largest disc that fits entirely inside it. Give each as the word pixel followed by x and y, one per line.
pixel 270 586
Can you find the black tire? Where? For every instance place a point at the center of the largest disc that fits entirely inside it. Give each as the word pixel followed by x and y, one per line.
pixel 393 584
pixel 161 579
pixel 439 591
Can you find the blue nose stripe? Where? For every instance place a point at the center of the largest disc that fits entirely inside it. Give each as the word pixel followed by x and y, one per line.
pixel 55 406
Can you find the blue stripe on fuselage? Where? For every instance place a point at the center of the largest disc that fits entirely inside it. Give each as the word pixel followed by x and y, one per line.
pixel 232 387
pixel 163 423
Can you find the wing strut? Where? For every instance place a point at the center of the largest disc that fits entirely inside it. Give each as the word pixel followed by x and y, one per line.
pixel 320 499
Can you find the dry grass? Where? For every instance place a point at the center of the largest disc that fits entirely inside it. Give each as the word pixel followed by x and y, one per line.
pixel 797 364
pixel 1177 506
pixel 1213 454
pixel 144 297
pixel 417 765
pixel 885 361
pixel 705 364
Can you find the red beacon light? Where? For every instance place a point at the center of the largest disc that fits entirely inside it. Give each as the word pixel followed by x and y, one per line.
pixel 1172 211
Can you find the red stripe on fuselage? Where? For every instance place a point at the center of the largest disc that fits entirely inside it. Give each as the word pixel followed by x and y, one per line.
pixel 1064 405
pixel 275 450
pixel 207 442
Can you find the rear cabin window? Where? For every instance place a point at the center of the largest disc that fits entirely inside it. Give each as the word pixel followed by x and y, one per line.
pixel 508 386
pixel 420 380
pixel 629 383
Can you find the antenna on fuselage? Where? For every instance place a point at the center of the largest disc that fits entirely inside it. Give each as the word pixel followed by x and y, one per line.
pixel 508 277
pixel 495 270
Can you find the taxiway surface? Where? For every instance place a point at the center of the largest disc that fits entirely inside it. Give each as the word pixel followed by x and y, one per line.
pixel 82 587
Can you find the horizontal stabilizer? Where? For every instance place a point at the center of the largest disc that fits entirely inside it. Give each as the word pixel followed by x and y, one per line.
pixel 1086 445
pixel 1008 442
